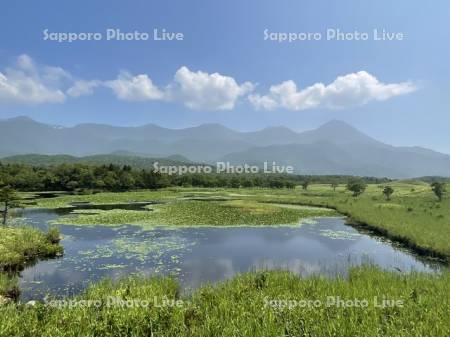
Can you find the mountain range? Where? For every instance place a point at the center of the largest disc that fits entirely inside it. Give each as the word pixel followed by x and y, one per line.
pixel 334 148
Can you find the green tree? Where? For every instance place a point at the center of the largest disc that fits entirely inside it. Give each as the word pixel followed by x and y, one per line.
pixel 235 182
pixel 247 182
pixel 388 191
pixel 438 188
pixel 8 199
pixel 305 184
pixel 290 185
pixel 150 179
pixel 356 186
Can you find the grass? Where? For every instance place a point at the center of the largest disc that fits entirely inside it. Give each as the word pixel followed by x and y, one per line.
pixel 21 245
pixel 9 288
pixel 199 213
pixel 253 304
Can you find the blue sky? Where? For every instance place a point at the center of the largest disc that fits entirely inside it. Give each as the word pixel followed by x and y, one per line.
pixel 396 91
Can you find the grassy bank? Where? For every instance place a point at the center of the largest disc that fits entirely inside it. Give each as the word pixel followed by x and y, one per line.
pixel 20 245
pixel 256 304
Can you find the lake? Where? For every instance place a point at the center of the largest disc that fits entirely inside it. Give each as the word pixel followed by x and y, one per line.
pixel 197 255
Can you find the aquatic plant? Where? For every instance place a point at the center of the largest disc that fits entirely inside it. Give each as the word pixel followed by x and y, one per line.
pixel 200 213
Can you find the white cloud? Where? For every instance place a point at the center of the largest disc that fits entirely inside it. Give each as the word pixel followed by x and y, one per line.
pixel 26 83
pixel 196 90
pixel 346 91
pixel 29 83
pixel 134 88
pixel 82 87
pixel 202 91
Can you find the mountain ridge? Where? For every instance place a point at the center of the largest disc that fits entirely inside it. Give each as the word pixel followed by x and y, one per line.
pixel 311 151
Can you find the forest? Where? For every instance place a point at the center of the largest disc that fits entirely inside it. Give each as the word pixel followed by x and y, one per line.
pixel 78 177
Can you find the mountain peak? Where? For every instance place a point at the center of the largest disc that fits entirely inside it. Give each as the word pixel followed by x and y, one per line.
pixel 208 130
pixel 336 124
pixel 337 132
pixel 281 128
pixel 211 126
pixel 21 119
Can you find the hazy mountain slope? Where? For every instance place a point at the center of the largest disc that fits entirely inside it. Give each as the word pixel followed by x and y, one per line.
pixel 333 148
pixel 355 159
pixel 337 132
pixel 23 135
pixel 52 160
pixel 315 158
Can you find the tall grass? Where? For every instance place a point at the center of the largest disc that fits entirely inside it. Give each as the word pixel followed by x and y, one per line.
pixel 19 245
pixel 9 286
pixel 245 306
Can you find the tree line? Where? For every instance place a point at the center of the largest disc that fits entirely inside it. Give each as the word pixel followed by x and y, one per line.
pixel 79 177
pixel 73 177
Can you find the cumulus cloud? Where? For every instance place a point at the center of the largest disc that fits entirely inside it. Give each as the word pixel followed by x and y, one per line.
pixel 196 90
pixel 27 83
pixel 346 91
pixel 134 88
pixel 202 91
pixel 82 87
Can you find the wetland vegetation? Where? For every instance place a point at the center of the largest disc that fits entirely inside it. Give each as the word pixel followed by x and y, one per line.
pixel 409 212
pixel 21 245
pixel 412 215
pixel 208 212
pixel 370 302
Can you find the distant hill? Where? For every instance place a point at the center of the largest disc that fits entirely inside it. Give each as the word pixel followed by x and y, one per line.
pixel 134 161
pixel 334 148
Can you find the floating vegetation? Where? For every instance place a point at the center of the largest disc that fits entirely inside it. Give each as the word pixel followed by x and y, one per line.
pixel 339 235
pixel 308 221
pixel 111 266
pixel 142 248
pixel 152 247
pixel 208 212
pixel 99 252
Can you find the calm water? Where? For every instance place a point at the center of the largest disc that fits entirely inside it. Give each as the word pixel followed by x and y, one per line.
pixel 205 254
